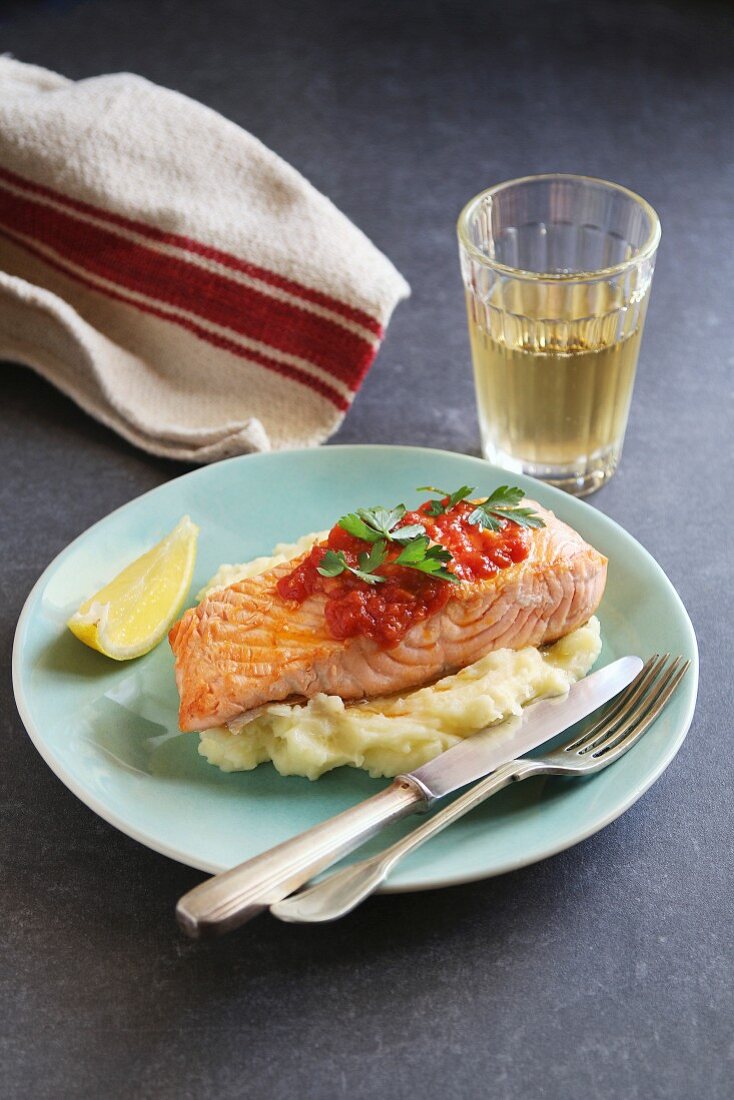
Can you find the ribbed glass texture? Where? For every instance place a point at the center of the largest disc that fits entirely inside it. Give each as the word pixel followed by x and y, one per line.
pixel 557 273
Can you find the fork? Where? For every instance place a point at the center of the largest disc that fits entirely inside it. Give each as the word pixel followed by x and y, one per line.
pixel 620 726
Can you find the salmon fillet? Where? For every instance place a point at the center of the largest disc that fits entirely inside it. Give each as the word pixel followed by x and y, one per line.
pixel 244 646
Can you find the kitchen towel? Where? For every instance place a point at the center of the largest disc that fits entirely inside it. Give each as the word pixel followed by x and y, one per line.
pixel 172 275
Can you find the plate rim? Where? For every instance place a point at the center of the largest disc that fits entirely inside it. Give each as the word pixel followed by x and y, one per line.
pixel 512 864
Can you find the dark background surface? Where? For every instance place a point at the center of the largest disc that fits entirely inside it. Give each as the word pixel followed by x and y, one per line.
pixel 604 972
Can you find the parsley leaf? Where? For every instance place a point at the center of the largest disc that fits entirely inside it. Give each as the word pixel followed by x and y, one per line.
pixel 368 562
pixel 356 526
pixel 373 524
pixel 334 563
pixel 437 507
pixel 419 554
pixel 382 520
pixel 407 534
pixel 502 505
pixel 414 552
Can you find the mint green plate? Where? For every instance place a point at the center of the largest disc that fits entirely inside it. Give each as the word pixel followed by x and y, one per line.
pixel 109 730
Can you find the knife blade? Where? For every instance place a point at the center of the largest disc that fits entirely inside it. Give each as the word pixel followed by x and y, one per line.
pixel 481 753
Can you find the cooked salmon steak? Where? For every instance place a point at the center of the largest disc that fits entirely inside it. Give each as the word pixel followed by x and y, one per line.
pixel 261 640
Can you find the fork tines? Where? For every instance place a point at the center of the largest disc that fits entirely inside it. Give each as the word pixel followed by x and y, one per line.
pixel 635 709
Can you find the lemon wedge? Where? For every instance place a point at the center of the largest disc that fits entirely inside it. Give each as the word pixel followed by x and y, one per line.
pixel 133 613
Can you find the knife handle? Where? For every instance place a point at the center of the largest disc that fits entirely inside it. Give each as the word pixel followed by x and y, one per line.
pixel 343 891
pixel 229 899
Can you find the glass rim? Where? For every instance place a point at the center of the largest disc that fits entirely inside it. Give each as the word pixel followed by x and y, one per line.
pixel 645 250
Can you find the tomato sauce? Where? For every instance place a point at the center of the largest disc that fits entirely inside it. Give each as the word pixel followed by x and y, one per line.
pixel 386 611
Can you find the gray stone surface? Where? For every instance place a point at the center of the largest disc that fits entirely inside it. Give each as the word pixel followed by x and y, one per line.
pixel 604 972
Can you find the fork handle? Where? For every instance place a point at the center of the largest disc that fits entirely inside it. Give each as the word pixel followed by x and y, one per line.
pixel 342 891
pixel 229 899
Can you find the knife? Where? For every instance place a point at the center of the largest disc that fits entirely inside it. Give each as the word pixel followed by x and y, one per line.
pixel 233 897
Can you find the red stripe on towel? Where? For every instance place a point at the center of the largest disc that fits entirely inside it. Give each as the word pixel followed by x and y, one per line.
pixel 188 244
pixel 284 369
pixel 178 283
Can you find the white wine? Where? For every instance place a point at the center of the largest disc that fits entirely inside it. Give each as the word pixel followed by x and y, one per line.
pixel 554 395
pixel 557 272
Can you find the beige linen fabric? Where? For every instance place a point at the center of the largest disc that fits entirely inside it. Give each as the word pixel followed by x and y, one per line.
pixel 172 275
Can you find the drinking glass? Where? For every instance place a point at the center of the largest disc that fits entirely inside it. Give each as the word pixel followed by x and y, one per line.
pixel 557 272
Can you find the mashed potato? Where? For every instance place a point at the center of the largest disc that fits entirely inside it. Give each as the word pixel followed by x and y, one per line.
pixel 284 551
pixel 400 732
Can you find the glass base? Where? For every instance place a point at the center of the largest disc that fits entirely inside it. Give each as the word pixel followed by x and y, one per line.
pixel 580 478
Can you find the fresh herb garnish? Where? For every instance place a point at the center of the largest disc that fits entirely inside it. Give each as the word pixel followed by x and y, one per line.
pixel 437 507
pixel 503 505
pixel 374 558
pixel 376 523
pixel 380 526
pixel 419 554
pixel 334 563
